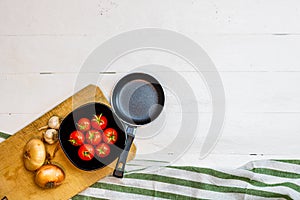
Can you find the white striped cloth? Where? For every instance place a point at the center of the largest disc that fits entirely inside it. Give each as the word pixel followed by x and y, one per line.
pixel 264 179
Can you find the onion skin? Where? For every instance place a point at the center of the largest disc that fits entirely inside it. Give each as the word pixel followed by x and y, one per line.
pixel 34 154
pixel 49 176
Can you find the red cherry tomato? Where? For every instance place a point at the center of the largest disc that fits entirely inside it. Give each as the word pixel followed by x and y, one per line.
pixel 99 122
pixel 84 124
pixel 110 136
pixel 93 137
pixel 102 150
pixel 86 152
pixel 76 138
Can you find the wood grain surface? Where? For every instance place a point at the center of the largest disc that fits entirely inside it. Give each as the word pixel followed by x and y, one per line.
pixel 16 182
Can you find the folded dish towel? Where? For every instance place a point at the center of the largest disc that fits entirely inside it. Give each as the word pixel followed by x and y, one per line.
pixel 263 179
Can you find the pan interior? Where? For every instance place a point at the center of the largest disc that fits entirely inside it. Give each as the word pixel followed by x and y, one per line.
pixel 139 101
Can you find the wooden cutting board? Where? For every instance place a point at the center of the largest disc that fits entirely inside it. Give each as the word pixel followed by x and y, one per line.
pixel 17 183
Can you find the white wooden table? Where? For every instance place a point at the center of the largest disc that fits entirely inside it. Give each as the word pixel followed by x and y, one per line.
pixel 254 44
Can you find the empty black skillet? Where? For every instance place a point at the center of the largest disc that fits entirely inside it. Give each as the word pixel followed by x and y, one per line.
pixel 137 99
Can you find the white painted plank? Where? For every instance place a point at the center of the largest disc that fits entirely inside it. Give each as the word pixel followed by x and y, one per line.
pixel 262 92
pixel 34 93
pixel 243 134
pixel 245 92
pixel 234 147
pixel 255 134
pixel 268 53
pixel 44 54
pixel 109 17
pixel 64 54
pixel 11 123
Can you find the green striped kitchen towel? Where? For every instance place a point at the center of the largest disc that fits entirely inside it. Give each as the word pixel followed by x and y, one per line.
pixel 263 179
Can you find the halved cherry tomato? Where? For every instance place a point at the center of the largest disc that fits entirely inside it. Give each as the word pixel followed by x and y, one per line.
pixel 93 137
pixel 86 152
pixel 102 150
pixel 76 138
pixel 84 124
pixel 99 122
pixel 110 136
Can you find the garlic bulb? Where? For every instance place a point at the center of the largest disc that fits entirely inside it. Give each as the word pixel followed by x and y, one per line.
pixel 54 122
pixel 51 136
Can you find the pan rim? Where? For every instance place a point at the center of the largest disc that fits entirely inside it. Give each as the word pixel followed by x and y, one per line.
pixel 140 76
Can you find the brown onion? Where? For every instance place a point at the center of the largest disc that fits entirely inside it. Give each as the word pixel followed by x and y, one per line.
pixel 49 176
pixel 34 154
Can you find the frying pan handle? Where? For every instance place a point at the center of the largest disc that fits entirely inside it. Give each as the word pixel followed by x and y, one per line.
pixel 119 171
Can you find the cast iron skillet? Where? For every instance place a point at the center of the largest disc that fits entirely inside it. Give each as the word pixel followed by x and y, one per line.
pixel 137 99
pixel 68 125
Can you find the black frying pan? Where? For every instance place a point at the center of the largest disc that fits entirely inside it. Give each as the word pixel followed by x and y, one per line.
pixel 137 99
